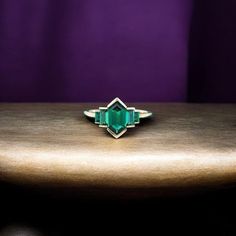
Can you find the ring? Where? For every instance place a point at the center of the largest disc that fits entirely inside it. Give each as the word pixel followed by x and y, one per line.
pixel 116 117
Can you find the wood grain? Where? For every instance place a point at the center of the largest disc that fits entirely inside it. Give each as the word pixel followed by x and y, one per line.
pixel 183 145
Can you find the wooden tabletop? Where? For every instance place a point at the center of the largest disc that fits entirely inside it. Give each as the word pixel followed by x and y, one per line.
pixel 182 146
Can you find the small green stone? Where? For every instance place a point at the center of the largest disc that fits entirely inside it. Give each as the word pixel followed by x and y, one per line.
pixel 97 117
pixel 136 117
pixel 102 117
pixel 131 117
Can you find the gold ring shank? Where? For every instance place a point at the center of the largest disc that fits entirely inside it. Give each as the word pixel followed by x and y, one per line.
pixel 142 113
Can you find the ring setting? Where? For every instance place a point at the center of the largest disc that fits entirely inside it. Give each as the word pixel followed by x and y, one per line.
pixel 116 117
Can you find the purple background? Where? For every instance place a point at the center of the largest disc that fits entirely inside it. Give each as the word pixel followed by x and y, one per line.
pixel 90 50
pixel 212 51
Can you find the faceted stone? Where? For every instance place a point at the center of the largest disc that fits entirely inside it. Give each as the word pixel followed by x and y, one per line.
pixel 102 117
pixel 97 117
pixel 117 118
pixel 136 117
pixel 131 117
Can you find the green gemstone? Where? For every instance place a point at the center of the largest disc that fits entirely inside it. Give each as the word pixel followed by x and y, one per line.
pixel 136 117
pixel 131 117
pixel 97 117
pixel 102 117
pixel 117 118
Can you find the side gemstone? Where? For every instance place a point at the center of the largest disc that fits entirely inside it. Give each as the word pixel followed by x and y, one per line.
pixel 136 117
pixel 100 117
pixel 97 117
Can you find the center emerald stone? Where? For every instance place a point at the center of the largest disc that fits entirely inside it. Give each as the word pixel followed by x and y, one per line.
pixel 117 118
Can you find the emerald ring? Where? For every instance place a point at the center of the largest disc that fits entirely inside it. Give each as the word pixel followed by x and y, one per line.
pixel 116 117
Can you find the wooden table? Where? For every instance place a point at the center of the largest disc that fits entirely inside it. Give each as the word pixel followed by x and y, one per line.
pixel 183 146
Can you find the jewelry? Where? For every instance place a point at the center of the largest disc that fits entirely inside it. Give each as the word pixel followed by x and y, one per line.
pixel 117 117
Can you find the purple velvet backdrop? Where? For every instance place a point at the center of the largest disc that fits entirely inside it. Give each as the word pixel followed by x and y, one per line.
pixel 212 51
pixel 90 50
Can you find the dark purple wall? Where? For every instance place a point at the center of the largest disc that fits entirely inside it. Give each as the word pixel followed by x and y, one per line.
pixel 212 61
pixel 90 50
